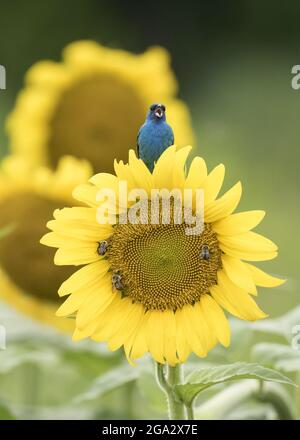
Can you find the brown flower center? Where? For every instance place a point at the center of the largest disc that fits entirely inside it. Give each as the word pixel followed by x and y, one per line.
pixel 162 267
pixel 29 264
pixel 97 119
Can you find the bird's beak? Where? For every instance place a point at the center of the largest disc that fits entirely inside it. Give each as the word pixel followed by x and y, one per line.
pixel 158 112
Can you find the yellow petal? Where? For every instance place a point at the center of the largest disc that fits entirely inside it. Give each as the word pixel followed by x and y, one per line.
pixel 163 170
pixel 216 319
pixel 197 173
pixel 155 335
pixel 86 193
pixel 213 183
pixel 90 273
pixel 53 239
pixel 76 213
pixel 136 347
pixel 206 333
pixel 249 256
pixel 83 230
pixel 236 270
pixel 225 205
pixel 95 304
pixel 142 176
pixel 73 302
pixel 132 315
pixel 170 337
pixel 78 335
pixel 124 173
pixel 238 302
pixel 238 223
pixel 105 180
pixel 262 278
pixel 186 315
pixel 248 246
pixel 200 327
pixel 179 168
pixel 76 256
pixel 182 345
pixel 107 324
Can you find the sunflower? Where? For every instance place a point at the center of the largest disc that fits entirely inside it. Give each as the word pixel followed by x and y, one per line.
pixel 92 104
pixel 149 287
pixel 28 279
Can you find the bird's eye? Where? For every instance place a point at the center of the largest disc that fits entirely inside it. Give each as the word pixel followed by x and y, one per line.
pixel 153 107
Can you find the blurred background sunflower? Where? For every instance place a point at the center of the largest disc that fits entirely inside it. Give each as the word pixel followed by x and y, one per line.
pixel 92 104
pixel 226 66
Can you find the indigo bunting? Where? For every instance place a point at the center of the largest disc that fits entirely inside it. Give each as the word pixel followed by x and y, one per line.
pixel 155 136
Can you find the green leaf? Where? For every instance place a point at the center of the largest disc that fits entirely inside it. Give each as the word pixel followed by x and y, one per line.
pixel 14 357
pixel 252 411
pixel 282 326
pixel 207 377
pixel 109 381
pixel 5 412
pixel 279 356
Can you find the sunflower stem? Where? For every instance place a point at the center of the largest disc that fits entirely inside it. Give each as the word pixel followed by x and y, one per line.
pixel 275 395
pixel 167 383
pixel 190 412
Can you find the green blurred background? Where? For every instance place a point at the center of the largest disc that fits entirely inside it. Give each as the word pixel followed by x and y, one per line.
pixel 233 62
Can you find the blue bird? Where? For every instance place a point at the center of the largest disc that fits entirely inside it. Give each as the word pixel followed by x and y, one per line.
pixel 155 136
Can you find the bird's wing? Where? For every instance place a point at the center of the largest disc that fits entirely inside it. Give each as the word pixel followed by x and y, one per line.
pixel 137 144
pixel 173 140
pixel 171 136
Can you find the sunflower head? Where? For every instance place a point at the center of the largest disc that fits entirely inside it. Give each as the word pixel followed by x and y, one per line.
pixel 151 286
pixel 28 197
pixel 92 104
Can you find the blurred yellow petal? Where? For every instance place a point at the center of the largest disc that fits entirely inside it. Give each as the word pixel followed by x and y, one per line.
pixel 92 103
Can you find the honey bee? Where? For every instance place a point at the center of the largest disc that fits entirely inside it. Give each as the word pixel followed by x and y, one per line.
pixel 102 248
pixel 205 253
pixel 117 281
